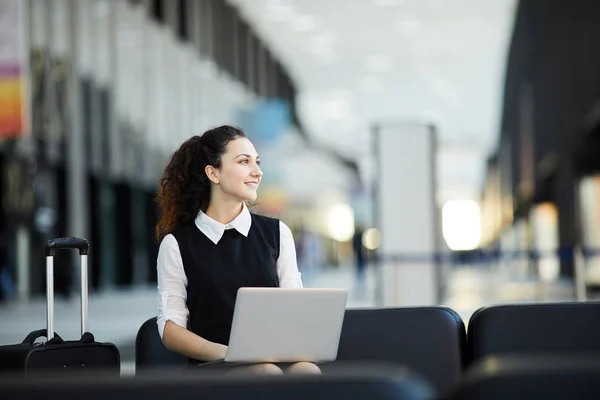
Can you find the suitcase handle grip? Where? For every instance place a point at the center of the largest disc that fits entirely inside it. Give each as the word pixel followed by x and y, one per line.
pixel 67 243
pixel 33 336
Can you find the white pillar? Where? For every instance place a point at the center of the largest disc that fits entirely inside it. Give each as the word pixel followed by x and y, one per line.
pixel 407 213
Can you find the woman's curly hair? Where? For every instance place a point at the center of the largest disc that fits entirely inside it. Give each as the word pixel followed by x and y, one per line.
pixel 184 188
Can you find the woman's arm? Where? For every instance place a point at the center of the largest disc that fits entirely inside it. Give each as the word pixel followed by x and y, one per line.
pixel 287 264
pixel 172 309
pixel 180 340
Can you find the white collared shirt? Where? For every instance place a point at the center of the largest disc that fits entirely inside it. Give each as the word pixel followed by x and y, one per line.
pixel 172 281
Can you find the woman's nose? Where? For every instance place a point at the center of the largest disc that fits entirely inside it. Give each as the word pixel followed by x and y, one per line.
pixel 257 172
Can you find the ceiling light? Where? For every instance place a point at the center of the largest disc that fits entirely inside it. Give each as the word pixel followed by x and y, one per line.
pixel 440 87
pixel 409 27
pixel 304 23
pixel 322 43
pixel 426 69
pixel 444 90
pixel 279 11
pixel 431 116
pixel 344 94
pixel 335 109
pixel 436 5
pixel 389 3
pixel 432 47
pixel 349 124
pixel 378 63
pixel 326 59
pixel 372 84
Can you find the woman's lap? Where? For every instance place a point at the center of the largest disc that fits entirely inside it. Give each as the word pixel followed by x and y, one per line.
pixel 224 366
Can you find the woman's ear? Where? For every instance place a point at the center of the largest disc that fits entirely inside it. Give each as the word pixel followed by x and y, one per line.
pixel 212 173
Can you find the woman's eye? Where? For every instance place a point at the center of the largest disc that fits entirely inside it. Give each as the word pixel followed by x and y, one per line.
pixel 258 162
pixel 244 161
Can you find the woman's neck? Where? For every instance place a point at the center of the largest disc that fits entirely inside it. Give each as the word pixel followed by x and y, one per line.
pixel 224 212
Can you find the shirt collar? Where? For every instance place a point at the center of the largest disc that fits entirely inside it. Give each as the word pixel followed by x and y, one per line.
pixel 214 229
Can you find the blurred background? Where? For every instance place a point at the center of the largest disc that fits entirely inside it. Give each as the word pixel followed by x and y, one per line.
pixel 422 151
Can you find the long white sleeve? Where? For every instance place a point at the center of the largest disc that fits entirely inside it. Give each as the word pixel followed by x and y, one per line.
pixel 172 285
pixel 287 265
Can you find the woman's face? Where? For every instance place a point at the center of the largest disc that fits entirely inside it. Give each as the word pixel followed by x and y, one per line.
pixel 239 174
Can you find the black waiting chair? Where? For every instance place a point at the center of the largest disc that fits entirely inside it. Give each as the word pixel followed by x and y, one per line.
pixel 151 353
pixel 545 377
pixel 431 341
pixel 549 328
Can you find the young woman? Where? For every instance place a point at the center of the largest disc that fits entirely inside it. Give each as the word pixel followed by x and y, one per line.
pixel 211 245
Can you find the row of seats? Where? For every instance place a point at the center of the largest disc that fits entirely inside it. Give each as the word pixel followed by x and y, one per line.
pixel 545 351
pixel 433 341
pixel 570 377
pixel 186 385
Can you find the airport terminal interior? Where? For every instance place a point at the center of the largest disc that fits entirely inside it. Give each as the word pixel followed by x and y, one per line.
pixel 437 159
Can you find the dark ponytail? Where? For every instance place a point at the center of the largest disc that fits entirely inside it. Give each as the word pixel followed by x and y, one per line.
pixel 184 188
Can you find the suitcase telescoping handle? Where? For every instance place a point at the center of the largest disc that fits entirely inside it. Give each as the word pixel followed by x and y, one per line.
pixel 51 247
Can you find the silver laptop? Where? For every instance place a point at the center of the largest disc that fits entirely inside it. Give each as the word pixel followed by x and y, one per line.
pixel 286 325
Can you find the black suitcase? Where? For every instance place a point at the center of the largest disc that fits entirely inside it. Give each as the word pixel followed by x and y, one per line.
pixel 57 355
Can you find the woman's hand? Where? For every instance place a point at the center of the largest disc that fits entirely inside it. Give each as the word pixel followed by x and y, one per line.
pixel 222 350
